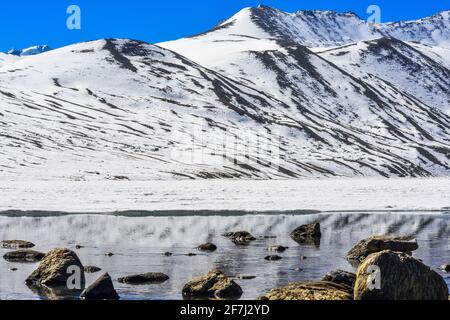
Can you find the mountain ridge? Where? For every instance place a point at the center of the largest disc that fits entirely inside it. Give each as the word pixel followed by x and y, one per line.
pixel 226 105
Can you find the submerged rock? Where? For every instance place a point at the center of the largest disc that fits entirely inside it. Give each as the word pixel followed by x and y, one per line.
pixel 54 269
pixel 379 243
pixel 273 258
pixel 341 277
pixel 149 277
pixel 207 247
pixel 16 244
pixel 24 255
pixel 245 277
pixel 446 268
pixel 214 284
pixel 92 269
pixel 321 290
pixel 239 236
pixel 168 254
pixel 399 277
pixel 307 234
pixel 277 248
pixel 190 254
pixel 101 289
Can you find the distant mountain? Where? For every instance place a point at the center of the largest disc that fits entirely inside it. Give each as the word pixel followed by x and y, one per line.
pixel 29 51
pixel 264 95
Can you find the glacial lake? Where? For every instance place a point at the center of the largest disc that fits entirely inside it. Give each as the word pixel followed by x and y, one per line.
pixel 138 242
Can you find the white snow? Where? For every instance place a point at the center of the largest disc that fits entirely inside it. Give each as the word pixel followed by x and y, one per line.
pixel 337 195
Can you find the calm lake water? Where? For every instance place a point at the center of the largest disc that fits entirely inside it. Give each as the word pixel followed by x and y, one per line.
pixel 139 242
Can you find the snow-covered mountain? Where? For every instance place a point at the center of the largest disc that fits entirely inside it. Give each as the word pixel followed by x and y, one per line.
pixel 264 95
pixel 31 51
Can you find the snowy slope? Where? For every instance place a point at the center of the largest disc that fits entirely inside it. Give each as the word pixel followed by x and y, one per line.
pixel 7 58
pixel 398 63
pixel 245 100
pixel 257 28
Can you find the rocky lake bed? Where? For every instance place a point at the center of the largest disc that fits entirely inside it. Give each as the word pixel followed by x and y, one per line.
pixel 277 257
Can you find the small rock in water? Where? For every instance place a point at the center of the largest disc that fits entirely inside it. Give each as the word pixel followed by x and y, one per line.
pixel 446 267
pixel 245 277
pixel 273 258
pixel 307 234
pixel 278 248
pixel 150 277
pixel 191 254
pixel 270 237
pixel 303 258
pixel 92 269
pixel 109 254
pixel 207 247
pixel 214 284
pixel 341 277
pixel 168 254
pixel 101 289
pixel 24 255
pixel 16 244
pixel 13 269
pixel 78 247
pixel 241 235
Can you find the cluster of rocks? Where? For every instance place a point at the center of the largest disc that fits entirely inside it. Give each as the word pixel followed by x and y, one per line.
pixel 386 270
pixel 60 274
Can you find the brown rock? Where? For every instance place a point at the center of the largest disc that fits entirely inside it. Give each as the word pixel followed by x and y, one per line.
pixel 210 247
pixel 16 244
pixel 379 243
pixel 149 277
pixel 24 255
pixel 321 290
pixel 341 277
pixel 92 269
pixel 53 269
pixel 399 277
pixel 277 248
pixel 307 234
pixel 214 284
pixel 101 289
pixel 273 258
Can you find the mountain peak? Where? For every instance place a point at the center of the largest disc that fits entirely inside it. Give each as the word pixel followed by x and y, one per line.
pixel 31 51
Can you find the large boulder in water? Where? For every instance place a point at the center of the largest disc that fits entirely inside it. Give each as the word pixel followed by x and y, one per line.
pixel 389 275
pixel 307 234
pixel 55 269
pixel 101 289
pixel 214 284
pixel 321 290
pixel 374 244
pixel 16 244
pixel 24 255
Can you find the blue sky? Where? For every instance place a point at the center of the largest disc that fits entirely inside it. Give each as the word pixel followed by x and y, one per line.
pixel 28 22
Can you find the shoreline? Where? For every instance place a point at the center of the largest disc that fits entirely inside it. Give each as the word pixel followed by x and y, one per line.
pixel 324 195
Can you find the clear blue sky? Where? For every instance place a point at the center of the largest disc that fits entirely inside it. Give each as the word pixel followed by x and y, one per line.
pixel 29 22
